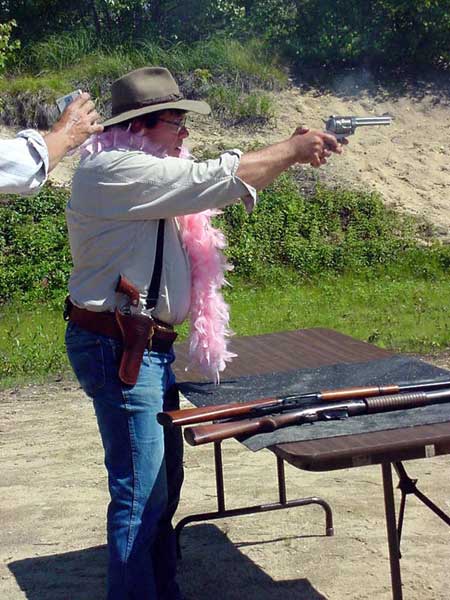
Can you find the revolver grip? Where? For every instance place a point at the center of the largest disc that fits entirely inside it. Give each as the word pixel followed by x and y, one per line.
pixel 124 286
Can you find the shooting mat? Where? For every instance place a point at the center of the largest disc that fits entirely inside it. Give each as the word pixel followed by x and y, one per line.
pixel 387 369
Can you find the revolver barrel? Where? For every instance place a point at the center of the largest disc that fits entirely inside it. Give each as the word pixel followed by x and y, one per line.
pixel 360 121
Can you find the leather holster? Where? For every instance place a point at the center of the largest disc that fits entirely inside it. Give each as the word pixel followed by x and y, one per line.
pixel 137 331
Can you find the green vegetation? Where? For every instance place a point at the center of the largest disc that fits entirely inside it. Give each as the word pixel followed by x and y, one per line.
pixel 31 343
pixel 400 312
pixel 310 32
pixel 34 254
pixel 336 258
pixel 7 46
pixel 404 313
pixel 331 231
pixel 228 73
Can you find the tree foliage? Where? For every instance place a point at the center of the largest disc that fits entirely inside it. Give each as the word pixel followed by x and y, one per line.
pixel 390 32
pixel 7 46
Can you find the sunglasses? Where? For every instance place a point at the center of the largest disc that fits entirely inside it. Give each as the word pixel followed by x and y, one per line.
pixel 178 124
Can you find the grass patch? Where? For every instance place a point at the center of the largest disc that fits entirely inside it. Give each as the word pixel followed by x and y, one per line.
pixel 226 72
pixel 405 314
pixel 402 313
pixel 31 343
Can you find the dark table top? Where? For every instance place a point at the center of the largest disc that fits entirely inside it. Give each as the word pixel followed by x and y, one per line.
pixel 321 355
pixel 284 351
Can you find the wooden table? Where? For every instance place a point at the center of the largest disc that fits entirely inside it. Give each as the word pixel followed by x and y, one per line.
pixel 314 348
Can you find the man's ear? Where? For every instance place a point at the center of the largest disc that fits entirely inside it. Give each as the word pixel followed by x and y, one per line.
pixel 137 125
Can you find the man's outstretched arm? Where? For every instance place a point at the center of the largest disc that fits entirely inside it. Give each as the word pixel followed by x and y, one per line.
pixel 261 167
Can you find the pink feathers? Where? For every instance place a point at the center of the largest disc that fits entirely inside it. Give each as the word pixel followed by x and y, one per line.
pixel 209 312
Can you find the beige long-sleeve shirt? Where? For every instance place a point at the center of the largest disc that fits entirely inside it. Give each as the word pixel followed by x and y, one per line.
pixel 118 197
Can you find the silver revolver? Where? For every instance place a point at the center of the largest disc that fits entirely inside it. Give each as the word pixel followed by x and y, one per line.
pixel 341 127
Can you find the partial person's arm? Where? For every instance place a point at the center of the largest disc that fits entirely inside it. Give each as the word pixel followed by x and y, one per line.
pixel 261 167
pixel 26 160
pixel 23 163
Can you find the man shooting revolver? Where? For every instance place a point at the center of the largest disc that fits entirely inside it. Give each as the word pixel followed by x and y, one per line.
pixel 145 256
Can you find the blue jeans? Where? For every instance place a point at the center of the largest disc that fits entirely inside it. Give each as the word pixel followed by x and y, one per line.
pixel 143 461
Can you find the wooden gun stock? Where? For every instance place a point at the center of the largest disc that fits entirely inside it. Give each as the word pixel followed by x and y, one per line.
pixel 124 286
pixel 190 416
pixel 215 432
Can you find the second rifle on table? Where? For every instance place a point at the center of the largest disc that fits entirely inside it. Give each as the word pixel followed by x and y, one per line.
pixel 264 406
pixel 216 432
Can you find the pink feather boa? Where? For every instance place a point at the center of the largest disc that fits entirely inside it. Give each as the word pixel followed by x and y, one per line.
pixel 209 313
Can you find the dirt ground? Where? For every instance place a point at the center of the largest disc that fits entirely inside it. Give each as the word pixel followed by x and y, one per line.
pixel 53 486
pixel 54 496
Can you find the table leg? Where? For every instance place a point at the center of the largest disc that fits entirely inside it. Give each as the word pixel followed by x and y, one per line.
pixel 394 554
pixel 222 511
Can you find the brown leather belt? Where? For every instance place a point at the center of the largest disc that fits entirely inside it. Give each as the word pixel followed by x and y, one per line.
pixel 104 323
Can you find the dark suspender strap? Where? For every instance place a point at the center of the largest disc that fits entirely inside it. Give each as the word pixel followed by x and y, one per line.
pixel 153 290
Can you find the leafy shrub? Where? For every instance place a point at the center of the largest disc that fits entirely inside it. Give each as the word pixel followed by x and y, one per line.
pixel 389 33
pixel 226 72
pixel 333 230
pixel 34 254
pixel 329 231
pixel 7 46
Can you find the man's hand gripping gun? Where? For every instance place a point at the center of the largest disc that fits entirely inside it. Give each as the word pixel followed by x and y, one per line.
pixel 137 330
pixel 342 127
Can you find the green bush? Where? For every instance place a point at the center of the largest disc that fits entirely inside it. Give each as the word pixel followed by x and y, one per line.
pixel 329 231
pixel 387 33
pixel 333 230
pixel 7 46
pixel 226 72
pixel 34 254
pixel 312 33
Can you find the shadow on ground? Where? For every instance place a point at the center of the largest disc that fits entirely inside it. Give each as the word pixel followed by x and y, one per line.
pixel 211 567
pixel 78 575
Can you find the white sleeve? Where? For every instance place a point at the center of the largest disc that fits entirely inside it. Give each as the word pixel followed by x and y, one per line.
pixel 139 186
pixel 23 163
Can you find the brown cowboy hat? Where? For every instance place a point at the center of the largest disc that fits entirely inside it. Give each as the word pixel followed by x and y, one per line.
pixel 145 91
